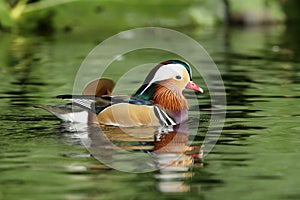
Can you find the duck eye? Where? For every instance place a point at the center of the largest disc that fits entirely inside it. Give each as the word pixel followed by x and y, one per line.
pixel 178 77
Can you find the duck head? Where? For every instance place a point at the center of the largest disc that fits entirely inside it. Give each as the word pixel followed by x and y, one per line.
pixel 165 83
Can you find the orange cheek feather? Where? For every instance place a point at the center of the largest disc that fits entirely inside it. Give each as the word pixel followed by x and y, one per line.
pixel 170 98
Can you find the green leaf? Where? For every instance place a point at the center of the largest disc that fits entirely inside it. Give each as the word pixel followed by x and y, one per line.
pixel 5 18
pixel 17 11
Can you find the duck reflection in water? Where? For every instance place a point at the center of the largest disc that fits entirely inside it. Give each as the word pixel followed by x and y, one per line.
pixel 175 159
pixel 137 150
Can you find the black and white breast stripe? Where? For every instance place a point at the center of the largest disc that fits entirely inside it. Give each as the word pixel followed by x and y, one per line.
pixel 163 117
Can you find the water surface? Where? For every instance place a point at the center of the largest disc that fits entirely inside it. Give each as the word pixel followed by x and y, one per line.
pixel 256 157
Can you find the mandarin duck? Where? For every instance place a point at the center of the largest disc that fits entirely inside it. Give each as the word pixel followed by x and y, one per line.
pixel 158 102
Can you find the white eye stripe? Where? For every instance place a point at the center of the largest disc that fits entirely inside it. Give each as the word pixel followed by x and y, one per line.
pixel 165 72
pixel 168 71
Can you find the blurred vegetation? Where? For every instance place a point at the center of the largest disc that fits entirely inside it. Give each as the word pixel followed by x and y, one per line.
pixel 47 16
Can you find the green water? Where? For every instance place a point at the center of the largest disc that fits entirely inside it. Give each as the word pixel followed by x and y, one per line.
pixel 256 157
